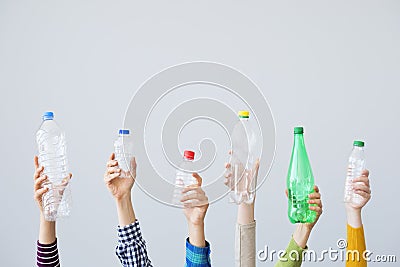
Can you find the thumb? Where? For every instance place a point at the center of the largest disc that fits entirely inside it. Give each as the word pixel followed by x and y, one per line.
pixel 133 163
pixel 198 178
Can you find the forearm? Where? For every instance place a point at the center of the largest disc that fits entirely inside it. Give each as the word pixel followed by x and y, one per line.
pixel 197 235
pixel 47 231
pixel 301 235
pixel 47 252
pixel 354 217
pixel 245 213
pixel 126 214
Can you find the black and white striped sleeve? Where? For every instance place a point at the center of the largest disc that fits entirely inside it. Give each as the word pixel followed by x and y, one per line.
pixel 47 255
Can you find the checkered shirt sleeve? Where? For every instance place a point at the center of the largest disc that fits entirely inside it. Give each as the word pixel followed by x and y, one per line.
pixel 131 249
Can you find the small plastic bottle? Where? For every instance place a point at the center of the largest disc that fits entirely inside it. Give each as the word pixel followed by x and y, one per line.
pixel 184 176
pixel 123 149
pixel 355 166
pixel 244 176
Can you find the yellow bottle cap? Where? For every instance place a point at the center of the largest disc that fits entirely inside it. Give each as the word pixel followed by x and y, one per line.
pixel 243 114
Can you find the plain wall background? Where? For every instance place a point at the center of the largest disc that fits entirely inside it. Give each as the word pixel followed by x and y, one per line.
pixel 332 66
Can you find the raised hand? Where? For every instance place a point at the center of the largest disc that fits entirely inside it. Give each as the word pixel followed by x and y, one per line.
pixel 40 182
pixel 361 186
pixel 118 181
pixel 47 229
pixel 195 203
pixel 314 199
pixel 247 180
pixel 38 189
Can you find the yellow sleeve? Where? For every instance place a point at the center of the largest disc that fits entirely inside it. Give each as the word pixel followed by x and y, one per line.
pixel 355 247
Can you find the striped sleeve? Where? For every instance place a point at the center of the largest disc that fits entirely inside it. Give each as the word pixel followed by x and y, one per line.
pixel 47 255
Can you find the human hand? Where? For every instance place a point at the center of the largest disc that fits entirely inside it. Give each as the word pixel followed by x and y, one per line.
pixel 245 213
pixel 361 186
pixel 118 186
pixel 195 202
pixel 303 230
pixel 244 180
pixel 316 205
pixel 40 181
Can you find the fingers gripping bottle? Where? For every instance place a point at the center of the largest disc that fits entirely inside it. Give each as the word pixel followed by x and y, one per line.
pixel 243 161
pixel 184 176
pixel 53 157
pixel 354 169
pixel 123 149
pixel 300 182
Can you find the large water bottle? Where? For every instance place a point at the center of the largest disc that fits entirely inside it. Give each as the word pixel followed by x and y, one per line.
pixel 243 168
pixel 53 157
pixel 355 167
pixel 300 182
pixel 123 149
pixel 184 176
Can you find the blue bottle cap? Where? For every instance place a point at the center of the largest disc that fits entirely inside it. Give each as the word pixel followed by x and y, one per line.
pixel 48 115
pixel 123 131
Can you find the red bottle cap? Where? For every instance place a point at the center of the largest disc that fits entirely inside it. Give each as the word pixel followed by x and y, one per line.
pixel 188 154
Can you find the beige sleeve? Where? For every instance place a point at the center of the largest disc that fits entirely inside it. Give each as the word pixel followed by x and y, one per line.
pixel 245 245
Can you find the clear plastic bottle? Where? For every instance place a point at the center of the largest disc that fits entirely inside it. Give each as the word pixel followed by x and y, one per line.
pixel 184 176
pixel 53 157
pixel 244 175
pixel 355 166
pixel 123 149
pixel 300 182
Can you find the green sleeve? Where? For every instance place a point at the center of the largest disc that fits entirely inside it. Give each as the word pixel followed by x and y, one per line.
pixel 293 256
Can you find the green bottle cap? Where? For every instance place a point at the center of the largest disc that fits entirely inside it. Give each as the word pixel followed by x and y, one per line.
pixel 358 143
pixel 298 130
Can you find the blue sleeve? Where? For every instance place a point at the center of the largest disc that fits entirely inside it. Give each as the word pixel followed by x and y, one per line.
pixel 196 256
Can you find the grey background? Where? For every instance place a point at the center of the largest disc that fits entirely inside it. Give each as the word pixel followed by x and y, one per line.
pixel 332 66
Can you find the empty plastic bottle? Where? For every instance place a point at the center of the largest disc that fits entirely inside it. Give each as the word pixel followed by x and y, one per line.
pixel 355 167
pixel 300 182
pixel 184 176
pixel 53 157
pixel 244 175
pixel 123 149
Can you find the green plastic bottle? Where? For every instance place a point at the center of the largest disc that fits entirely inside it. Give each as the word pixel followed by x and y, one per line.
pixel 300 182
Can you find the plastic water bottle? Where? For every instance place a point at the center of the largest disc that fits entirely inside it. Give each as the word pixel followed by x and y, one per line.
pixel 244 175
pixel 123 149
pixel 53 157
pixel 300 182
pixel 184 176
pixel 355 167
